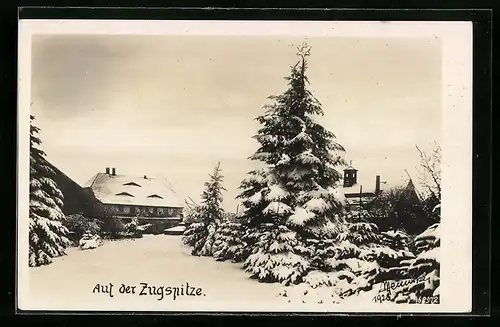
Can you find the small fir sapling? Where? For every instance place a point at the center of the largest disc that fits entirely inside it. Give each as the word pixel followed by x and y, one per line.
pixel 201 235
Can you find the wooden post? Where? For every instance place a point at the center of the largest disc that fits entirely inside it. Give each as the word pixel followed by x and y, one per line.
pixel 360 200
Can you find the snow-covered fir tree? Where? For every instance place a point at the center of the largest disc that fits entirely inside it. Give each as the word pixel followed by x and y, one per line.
pixel 47 235
pixel 201 234
pixel 293 197
pixel 229 242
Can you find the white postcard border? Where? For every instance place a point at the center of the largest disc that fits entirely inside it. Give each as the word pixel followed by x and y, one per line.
pixel 456 226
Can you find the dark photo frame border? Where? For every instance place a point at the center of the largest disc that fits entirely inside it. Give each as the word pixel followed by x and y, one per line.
pixel 482 125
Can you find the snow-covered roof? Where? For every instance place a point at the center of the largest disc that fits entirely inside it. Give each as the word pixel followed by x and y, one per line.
pixel 350 168
pixel 368 183
pixel 123 189
pixel 179 228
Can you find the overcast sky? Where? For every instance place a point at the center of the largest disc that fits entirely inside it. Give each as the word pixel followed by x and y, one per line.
pixel 175 105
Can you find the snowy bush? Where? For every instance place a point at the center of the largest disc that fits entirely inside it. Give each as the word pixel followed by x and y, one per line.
pixel 144 228
pixel 112 227
pixel 131 227
pixel 201 237
pixel 396 239
pixel 79 225
pixel 359 216
pixel 400 208
pixel 90 241
pixel 341 264
pixel 194 236
pixel 229 244
pixel 276 256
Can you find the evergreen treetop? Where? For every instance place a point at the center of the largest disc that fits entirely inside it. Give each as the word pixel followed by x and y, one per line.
pixel 300 157
pixel 212 195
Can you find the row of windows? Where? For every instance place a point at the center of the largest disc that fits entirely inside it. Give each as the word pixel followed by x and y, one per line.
pixel 149 196
pixel 350 175
pixel 145 211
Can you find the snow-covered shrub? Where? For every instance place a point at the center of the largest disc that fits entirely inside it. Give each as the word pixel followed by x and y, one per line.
pixel 191 214
pixel 230 217
pixel 208 246
pixel 131 227
pixel 358 216
pixel 276 255
pixel 79 224
pixel 112 227
pixel 144 228
pixel 90 241
pixel 194 236
pixel 341 263
pixel 229 244
pixel 400 208
pixel 396 239
pixel 201 237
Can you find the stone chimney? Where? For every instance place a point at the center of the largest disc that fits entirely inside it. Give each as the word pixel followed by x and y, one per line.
pixel 113 171
pixel 145 177
pixel 107 170
pixel 377 185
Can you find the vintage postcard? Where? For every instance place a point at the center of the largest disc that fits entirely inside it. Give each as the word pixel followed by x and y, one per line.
pixel 245 166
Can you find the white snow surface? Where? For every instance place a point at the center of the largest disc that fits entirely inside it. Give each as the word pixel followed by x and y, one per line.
pixel 89 244
pixel 158 260
pixel 161 260
pixel 178 228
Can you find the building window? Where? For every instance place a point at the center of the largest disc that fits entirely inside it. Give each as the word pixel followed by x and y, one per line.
pixel 151 210
pixel 126 209
pixel 124 194
pixel 137 211
pixel 132 184
pixel 170 212
pixel 160 211
pixel 155 196
pixel 114 209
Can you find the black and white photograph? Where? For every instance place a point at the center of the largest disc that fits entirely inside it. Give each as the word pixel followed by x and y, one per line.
pixel 245 166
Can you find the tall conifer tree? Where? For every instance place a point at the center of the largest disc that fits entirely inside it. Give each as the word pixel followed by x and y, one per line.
pixel 294 196
pixel 47 235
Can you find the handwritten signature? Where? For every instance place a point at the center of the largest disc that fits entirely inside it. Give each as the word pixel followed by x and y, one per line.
pixel 392 285
pixel 389 290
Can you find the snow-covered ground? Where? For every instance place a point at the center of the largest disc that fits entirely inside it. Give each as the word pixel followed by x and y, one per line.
pixel 159 260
